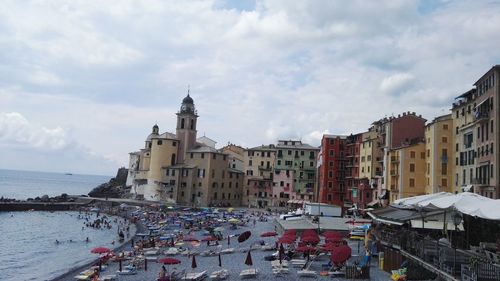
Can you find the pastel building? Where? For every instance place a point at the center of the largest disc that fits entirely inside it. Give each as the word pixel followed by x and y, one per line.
pixel 180 168
pixel 439 150
pixel 259 171
pixel 331 170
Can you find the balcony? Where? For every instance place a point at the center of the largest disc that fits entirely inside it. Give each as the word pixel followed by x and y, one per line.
pixel 394 159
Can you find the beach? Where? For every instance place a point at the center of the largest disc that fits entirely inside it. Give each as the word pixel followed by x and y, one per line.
pixel 233 262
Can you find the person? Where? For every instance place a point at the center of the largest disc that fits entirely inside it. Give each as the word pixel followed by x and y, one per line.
pixel 87 240
pixel 163 272
pixel 57 241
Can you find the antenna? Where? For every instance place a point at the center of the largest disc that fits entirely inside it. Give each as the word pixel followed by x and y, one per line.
pixel 188 89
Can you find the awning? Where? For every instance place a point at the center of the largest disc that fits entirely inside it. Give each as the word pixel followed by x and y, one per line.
pixel 435 225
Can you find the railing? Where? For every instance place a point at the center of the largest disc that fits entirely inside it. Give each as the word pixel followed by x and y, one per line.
pixel 455 262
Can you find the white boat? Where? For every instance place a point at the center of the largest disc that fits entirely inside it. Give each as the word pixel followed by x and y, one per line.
pixel 195 276
pixel 219 274
pixel 227 251
pixel 172 251
pixel 249 273
pixel 307 273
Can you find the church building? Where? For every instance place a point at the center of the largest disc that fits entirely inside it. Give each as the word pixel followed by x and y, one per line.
pixel 183 169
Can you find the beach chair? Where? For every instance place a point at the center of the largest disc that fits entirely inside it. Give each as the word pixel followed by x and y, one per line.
pixel 249 273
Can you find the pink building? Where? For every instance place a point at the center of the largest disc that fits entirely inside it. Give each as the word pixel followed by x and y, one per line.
pixel 283 188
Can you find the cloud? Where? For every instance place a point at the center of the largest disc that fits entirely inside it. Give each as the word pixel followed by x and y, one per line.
pixel 397 83
pixel 105 72
pixel 15 129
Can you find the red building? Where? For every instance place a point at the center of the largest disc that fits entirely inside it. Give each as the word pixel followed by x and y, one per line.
pixel 352 169
pixel 332 170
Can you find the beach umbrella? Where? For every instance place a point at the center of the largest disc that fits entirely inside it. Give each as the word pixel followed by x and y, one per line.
pixel 100 250
pixel 341 254
pixel 193 262
pixel 244 236
pixel 286 240
pixel 169 261
pixel 248 260
pixel 233 220
pixel 329 247
pixel 269 234
pixel 310 239
pixel 332 234
pixel 305 249
pixel 220 261
pixel 190 238
pixel 209 238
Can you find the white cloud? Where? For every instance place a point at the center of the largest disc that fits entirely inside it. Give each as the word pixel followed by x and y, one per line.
pixel 106 71
pixel 16 129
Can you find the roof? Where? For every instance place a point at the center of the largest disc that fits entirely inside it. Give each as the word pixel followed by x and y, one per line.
pixel 166 135
pixel 235 171
pixel 466 94
pixel 393 215
pixel 495 67
pixel 264 147
pixel 334 136
pixel 298 145
pixel 188 100
pixel 203 148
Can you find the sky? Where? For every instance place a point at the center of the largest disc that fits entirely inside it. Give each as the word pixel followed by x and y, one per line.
pixel 83 82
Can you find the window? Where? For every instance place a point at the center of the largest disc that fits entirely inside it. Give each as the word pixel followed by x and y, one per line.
pixel 444 169
pixel 412 182
pixel 214 156
pixel 279 162
pixel 203 155
pixel 445 126
pixel 192 124
pixel 249 162
pixel 412 167
pixel 428 153
pixel 412 154
pixel 289 152
pixel 172 159
pixel 444 182
pixel 191 155
pixel 182 123
pixel 422 155
pixel 160 142
pixel 444 139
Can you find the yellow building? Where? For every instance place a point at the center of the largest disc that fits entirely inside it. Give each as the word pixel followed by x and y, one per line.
pixel 439 150
pixel 406 171
pixel 259 165
pixel 179 168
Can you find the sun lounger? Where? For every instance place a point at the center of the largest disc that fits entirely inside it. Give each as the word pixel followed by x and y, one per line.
pixel 109 277
pixel 298 263
pixel 307 273
pixel 248 273
pixel 219 274
pixel 127 272
pixel 151 253
pixel 280 270
pixel 227 251
pixel 276 263
pixel 83 277
pixel 195 276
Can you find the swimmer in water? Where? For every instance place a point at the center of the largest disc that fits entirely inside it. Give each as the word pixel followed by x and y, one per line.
pixel 57 241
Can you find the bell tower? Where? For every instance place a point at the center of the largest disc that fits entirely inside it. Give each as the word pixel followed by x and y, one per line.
pixel 186 127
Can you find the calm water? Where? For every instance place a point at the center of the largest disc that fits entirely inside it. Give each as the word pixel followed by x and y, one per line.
pixel 25 184
pixel 29 251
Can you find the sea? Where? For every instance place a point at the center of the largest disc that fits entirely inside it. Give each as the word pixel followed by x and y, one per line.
pixel 28 248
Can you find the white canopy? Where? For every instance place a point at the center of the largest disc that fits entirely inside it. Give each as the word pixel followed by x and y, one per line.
pixel 466 202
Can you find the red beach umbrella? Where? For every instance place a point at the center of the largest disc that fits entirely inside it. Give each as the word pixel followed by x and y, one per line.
pixel 269 234
pixel 100 250
pixel 305 249
pixel 209 238
pixel 190 238
pixel 248 260
pixel 244 236
pixel 286 240
pixel 169 261
pixel 308 232
pixel 332 235
pixel 193 262
pixel 310 239
pixel 341 254
pixel 329 247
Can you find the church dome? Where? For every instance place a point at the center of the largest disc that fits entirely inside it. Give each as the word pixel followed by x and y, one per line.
pixel 187 100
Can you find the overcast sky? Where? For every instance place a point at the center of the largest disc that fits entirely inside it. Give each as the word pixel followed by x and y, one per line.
pixel 83 82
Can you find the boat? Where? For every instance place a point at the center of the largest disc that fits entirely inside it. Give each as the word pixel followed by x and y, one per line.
pixel 195 276
pixel 68 174
pixel 227 251
pixel 249 273
pixel 307 273
pixel 219 274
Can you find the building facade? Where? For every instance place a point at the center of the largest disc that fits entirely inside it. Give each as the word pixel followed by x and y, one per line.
pixel 180 169
pixel 331 170
pixel 259 171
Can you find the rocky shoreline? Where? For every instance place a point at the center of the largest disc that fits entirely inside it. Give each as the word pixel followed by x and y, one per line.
pixel 114 188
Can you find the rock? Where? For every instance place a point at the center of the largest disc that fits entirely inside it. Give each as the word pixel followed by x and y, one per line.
pixel 45 198
pixel 114 188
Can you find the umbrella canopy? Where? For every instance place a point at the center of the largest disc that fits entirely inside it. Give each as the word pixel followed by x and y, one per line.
pixel 244 236
pixel 332 234
pixel 100 250
pixel 341 254
pixel 169 261
pixel 190 238
pixel 308 232
pixel 305 249
pixel 209 238
pixel 310 239
pixel 291 232
pixel 193 262
pixel 286 240
pixel 269 234
pixel 233 220
pixel 329 247
pixel 248 260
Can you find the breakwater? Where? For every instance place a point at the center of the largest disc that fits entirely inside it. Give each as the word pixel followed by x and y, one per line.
pixel 40 206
